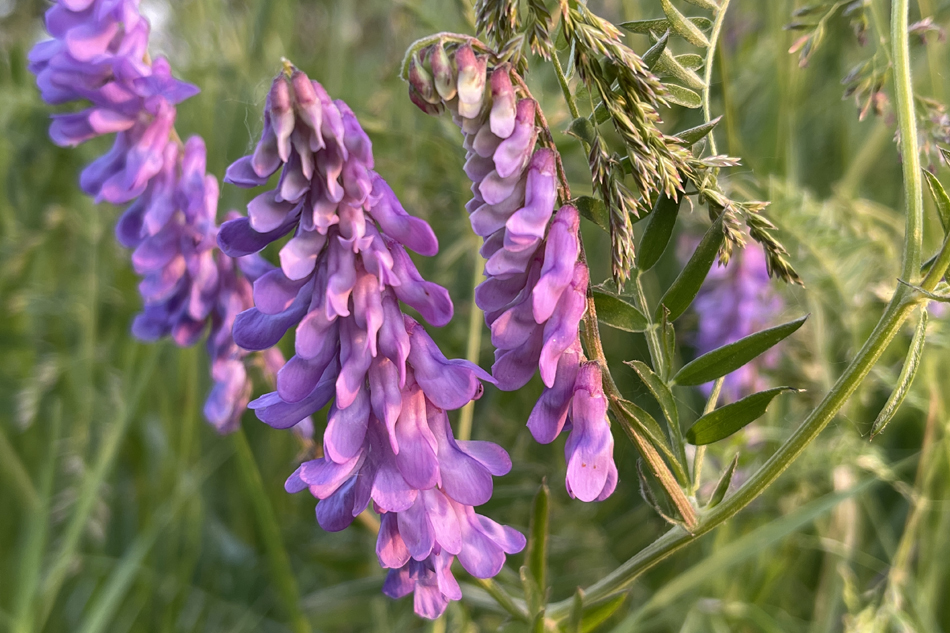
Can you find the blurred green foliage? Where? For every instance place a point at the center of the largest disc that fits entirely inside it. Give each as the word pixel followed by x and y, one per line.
pixel 121 510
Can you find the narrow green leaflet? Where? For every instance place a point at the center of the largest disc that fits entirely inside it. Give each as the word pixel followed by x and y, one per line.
pixel 683 27
pixel 691 61
pixel 647 425
pixel 619 314
pixel 594 210
pixel 653 54
pixel 906 379
pixel 723 486
pixel 670 66
pixel 583 129
pixel 941 200
pixel 731 357
pixel 687 284
pixel 661 393
pixel 698 133
pixel 661 25
pixel 709 5
pixel 658 232
pixel 726 420
pixel 681 96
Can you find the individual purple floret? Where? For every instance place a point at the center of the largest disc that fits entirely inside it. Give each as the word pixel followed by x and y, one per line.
pixel 736 301
pixel 98 55
pixel 535 292
pixel 342 275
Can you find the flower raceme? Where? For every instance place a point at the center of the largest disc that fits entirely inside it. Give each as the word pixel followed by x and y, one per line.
pixel 99 55
pixel 535 292
pixel 342 275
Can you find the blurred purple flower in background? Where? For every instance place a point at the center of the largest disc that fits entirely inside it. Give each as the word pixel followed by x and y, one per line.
pixel 99 56
pixel 735 301
pixel 342 275
pixel 535 292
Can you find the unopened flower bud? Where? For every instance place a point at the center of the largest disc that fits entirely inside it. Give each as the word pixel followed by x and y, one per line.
pixel 503 103
pixel 422 104
pixel 282 115
pixel 471 81
pixel 421 80
pixel 443 72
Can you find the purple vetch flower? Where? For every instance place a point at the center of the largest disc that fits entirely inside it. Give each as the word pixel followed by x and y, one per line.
pixel 535 292
pixel 342 274
pixel 735 301
pixel 99 56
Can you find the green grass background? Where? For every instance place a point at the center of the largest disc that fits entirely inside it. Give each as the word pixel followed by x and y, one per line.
pixel 122 511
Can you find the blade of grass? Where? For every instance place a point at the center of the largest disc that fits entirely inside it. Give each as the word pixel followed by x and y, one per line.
pixel 36 534
pixel 89 488
pixel 100 614
pixel 16 474
pixel 281 570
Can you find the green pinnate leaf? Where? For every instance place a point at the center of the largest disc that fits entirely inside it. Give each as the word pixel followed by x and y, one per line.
pixel 731 357
pixel 680 295
pixel 658 232
pixel 617 313
pixel 724 421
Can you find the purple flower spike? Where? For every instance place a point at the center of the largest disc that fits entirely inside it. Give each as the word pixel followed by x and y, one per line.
pixel 98 57
pixel 342 275
pixel 535 292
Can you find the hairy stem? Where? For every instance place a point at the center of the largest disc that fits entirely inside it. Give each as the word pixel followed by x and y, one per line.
pixel 910 154
pixel 898 309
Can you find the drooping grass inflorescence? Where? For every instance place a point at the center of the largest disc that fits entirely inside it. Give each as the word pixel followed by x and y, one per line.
pixel 99 56
pixel 342 275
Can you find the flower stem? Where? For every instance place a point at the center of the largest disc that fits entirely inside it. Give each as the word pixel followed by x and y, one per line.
pixel 898 309
pixel 281 571
pixel 474 344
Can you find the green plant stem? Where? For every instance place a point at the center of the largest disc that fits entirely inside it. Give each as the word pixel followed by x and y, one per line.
pixel 701 450
pixel 474 344
pixel 503 598
pixel 910 154
pixel 898 309
pixel 281 571
pixel 710 57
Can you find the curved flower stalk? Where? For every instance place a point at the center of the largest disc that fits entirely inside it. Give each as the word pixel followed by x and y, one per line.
pixel 534 295
pixel 342 275
pixel 99 56
pixel 735 301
